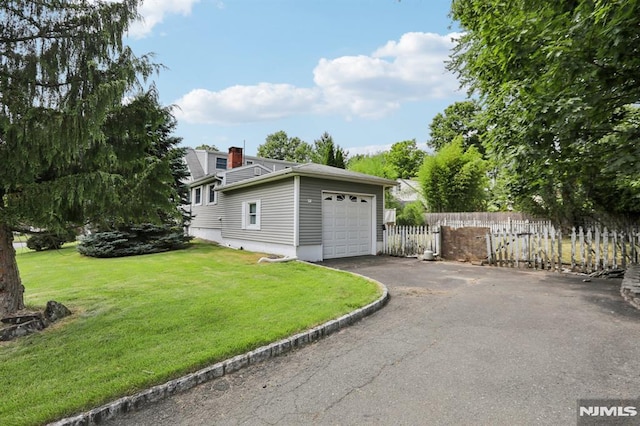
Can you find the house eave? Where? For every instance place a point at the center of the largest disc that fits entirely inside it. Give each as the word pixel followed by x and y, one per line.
pixel 290 172
pixel 204 180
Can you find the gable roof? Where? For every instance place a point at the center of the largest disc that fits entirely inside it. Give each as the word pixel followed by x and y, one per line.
pixel 312 170
pixel 195 168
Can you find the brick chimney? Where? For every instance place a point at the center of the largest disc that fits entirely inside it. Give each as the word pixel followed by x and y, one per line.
pixel 235 157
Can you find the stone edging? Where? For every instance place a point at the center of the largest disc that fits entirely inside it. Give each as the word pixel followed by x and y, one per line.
pixel 172 387
pixel 630 288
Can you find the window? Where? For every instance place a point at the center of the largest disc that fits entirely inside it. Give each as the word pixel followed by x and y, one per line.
pixel 251 215
pixel 212 194
pixel 221 163
pixel 197 195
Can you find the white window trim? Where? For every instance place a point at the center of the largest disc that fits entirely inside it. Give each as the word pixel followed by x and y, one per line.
pixel 197 203
pixel 215 195
pixel 245 215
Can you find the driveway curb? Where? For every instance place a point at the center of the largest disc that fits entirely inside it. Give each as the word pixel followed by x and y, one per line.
pixel 220 369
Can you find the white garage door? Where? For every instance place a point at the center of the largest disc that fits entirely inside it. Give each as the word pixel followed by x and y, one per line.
pixel 346 225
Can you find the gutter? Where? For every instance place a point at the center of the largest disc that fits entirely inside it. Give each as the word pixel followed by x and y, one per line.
pixel 281 174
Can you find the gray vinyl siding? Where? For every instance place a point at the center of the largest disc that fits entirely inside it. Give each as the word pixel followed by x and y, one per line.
pixel 276 212
pixel 311 212
pixel 236 175
pixel 208 215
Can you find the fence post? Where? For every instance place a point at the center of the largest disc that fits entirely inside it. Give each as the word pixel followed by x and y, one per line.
pixel 559 249
pixel 552 255
pixel 615 249
pixel 589 246
pixel 605 248
pixel 518 248
pixel 597 249
pixel 582 252
pixel 545 235
pixel 384 239
pixel 573 248
pixel 624 250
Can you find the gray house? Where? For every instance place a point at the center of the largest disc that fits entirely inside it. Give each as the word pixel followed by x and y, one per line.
pixel 310 211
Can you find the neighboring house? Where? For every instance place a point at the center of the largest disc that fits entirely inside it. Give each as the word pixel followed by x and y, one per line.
pixel 407 191
pixel 311 211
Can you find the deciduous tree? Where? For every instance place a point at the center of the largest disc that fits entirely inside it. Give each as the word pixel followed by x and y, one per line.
pixel 454 179
pixel 207 147
pixel 279 146
pixel 458 119
pixel 405 159
pixel 375 164
pixel 554 78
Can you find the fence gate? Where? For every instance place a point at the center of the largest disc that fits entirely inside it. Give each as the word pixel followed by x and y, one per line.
pixel 587 251
pixel 410 240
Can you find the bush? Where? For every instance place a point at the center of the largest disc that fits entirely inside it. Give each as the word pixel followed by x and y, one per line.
pixel 411 214
pixel 133 240
pixel 48 241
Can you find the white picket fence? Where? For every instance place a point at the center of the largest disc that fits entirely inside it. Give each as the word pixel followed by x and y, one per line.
pixel 582 250
pixel 410 240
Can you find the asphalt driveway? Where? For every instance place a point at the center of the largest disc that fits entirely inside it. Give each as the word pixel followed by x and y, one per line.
pixel 457 344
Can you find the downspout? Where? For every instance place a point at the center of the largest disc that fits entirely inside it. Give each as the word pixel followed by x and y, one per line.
pixel 296 212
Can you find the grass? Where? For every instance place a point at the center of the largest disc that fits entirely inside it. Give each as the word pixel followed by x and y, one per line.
pixel 140 321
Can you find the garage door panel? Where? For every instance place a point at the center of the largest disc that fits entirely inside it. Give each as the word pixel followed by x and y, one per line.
pixel 340 235
pixel 347 225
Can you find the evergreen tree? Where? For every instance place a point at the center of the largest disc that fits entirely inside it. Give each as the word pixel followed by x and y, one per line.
pixel 64 72
pixel 326 152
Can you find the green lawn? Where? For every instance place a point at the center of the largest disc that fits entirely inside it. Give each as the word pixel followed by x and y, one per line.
pixel 140 321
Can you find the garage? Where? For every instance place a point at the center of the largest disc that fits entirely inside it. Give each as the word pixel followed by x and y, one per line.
pixel 347 225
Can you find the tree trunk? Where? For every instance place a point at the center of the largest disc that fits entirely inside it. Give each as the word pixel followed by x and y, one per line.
pixel 11 289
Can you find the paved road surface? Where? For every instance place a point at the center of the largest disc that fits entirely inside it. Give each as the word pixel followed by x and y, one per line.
pixel 457 344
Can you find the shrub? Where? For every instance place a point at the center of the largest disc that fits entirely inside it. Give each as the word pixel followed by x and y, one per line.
pixel 411 214
pixel 133 240
pixel 49 241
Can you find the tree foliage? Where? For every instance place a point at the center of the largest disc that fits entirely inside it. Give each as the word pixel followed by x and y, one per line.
pixel 48 241
pixel 458 119
pixel 404 159
pixel 372 164
pixel 158 174
pixel 454 179
pixel 279 146
pixel 64 72
pixel 326 152
pixel 411 214
pixel 207 147
pixel 556 80
pixel 133 240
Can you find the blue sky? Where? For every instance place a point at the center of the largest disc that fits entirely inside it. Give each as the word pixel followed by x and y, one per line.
pixel 370 73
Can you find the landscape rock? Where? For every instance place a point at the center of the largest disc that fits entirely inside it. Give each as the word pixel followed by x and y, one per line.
pixel 19 330
pixel 55 311
pixel 20 319
pixel 22 325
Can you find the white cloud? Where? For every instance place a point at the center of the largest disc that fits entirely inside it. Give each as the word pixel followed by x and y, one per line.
pixel 243 104
pixel 368 149
pixel 370 86
pixel 154 11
